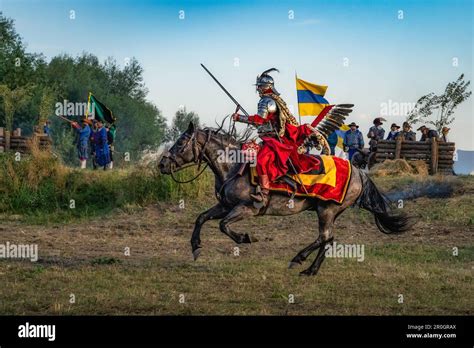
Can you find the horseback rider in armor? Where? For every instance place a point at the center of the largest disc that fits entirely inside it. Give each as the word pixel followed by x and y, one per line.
pixel 283 139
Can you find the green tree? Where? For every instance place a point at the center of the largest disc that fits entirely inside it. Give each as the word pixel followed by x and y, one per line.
pixel 12 101
pixel 180 123
pixel 140 124
pixel 126 81
pixel 442 105
pixel 64 141
pixel 17 68
pixel 46 105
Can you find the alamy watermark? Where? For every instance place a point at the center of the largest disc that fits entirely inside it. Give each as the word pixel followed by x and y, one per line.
pixel 19 251
pixel 237 156
pixel 394 108
pixel 68 108
pixel 356 251
pixel 28 330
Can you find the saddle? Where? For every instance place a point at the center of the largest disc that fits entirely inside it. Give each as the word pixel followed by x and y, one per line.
pixel 329 182
pixel 251 149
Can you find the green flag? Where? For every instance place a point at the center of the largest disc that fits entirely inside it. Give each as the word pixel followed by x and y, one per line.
pixel 99 110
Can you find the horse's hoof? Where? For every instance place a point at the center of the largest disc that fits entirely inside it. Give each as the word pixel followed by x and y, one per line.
pixel 252 239
pixel 249 239
pixel 306 272
pixel 293 264
pixel 196 253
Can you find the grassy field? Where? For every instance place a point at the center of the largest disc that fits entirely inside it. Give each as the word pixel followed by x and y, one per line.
pixel 86 258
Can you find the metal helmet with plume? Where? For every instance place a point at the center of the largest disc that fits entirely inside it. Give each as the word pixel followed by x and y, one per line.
pixel 265 82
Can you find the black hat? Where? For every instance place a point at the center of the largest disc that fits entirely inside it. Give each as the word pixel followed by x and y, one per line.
pixel 379 120
pixel 353 124
pixel 421 128
pixel 394 125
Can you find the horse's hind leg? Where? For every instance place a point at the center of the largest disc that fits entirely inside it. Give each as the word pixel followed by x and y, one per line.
pixel 237 214
pixel 304 253
pixel 327 213
pixel 314 268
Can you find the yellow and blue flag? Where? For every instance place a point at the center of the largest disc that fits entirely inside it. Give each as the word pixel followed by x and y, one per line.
pixel 311 99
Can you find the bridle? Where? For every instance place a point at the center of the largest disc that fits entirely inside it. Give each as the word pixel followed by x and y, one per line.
pixel 198 156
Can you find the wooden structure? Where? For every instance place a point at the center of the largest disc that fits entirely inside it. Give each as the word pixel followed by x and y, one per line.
pixel 438 155
pixel 15 142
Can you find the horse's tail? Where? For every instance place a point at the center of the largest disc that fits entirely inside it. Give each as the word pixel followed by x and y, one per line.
pixel 378 204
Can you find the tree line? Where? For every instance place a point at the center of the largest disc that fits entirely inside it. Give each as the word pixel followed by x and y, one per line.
pixel 30 86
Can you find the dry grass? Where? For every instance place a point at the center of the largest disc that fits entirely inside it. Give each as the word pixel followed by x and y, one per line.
pixel 400 167
pixel 39 187
pixel 250 284
pixel 420 168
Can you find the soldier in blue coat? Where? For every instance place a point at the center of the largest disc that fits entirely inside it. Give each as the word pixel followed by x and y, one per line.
pixel 394 132
pixel 353 140
pixel 101 146
pixel 427 134
pixel 84 132
pixel 332 141
pixel 407 133
pixel 376 133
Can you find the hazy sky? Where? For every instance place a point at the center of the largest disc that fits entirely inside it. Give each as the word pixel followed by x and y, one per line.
pixel 369 53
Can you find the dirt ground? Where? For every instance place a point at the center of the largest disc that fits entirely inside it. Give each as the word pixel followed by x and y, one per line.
pixel 160 230
pixel 90 260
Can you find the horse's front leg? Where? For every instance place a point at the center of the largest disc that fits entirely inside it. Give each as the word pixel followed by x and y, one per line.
pixel 238 213
pixel 216 212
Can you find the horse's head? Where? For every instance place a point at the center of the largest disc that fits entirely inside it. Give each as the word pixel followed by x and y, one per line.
pixel 185 150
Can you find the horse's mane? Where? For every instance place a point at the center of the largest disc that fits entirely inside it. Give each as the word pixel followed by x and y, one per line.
pixel 231 135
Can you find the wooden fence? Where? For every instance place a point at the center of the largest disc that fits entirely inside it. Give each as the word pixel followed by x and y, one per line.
pixel 438 155
pixel 15 142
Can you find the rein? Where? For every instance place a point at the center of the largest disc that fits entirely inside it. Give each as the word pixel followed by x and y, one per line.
pixel 188 181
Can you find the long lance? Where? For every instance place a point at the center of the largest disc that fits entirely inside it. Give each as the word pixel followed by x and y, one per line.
pixel 65 119
pixel 226 92
pixel 247 114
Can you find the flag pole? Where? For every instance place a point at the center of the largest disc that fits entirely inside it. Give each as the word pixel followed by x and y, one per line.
pixel 296 82
pixel 88 104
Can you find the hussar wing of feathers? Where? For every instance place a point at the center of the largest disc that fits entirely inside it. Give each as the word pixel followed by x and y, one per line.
pixel 335 118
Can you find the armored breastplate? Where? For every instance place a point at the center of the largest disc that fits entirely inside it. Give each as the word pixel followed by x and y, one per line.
pixel 266 107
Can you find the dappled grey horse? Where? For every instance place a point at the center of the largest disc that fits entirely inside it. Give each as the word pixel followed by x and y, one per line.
pixel 233 188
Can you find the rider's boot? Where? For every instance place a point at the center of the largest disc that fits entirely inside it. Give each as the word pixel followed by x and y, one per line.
pixel 262 191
